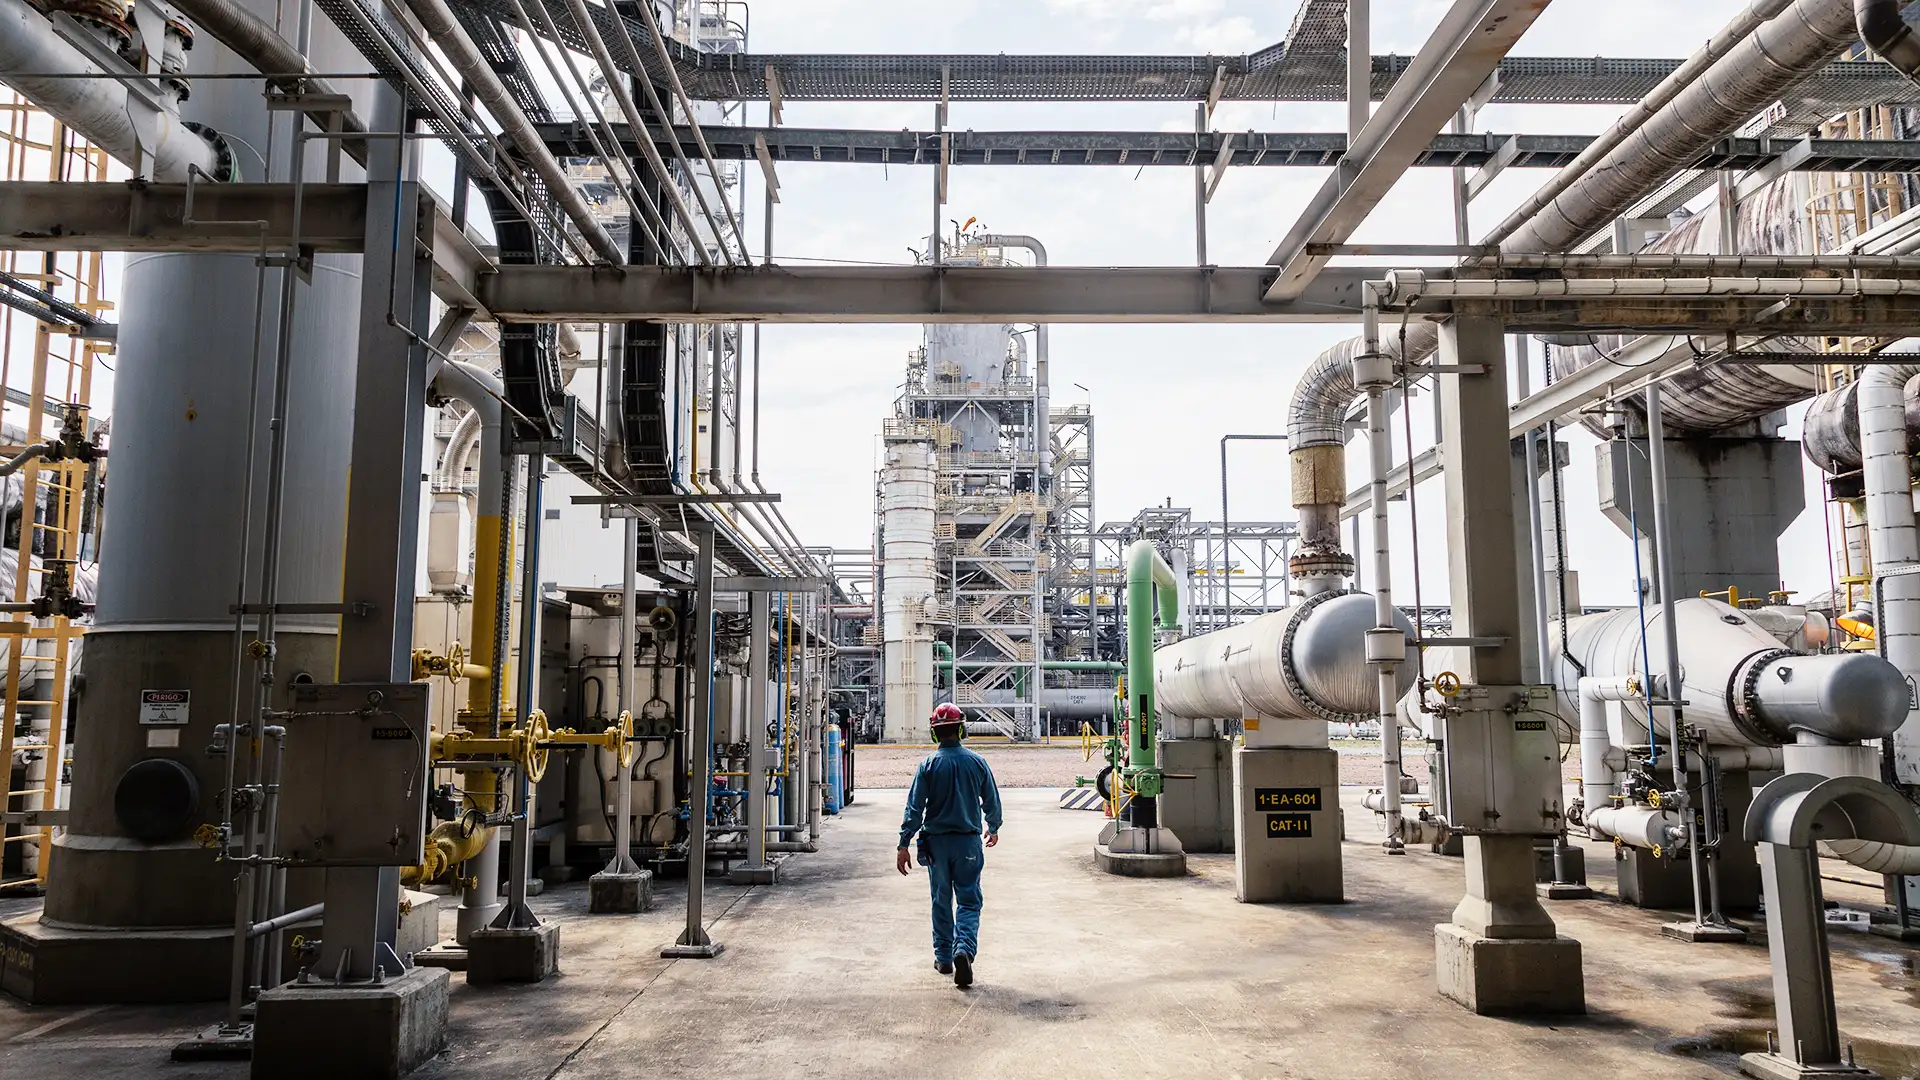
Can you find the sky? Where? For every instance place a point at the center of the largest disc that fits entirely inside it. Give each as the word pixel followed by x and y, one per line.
pixel 1162 395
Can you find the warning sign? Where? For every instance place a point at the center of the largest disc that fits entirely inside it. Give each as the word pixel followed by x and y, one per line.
pixel 164 708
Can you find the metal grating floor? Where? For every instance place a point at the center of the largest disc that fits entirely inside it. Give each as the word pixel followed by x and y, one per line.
pixel 1273 74
pixel 1259 149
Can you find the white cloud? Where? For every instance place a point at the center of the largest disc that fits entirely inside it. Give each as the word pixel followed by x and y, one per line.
pixel 1235 34
pixel 827 388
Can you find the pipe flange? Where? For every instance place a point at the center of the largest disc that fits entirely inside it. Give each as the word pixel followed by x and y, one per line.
pixel 226 166
pixel 1292 677
pixel 1316 564
pixel 1743 693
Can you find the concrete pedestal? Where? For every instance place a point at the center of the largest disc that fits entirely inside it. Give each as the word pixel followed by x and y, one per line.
pixel 1287 826
pixel 1200 810
pixel 754 875
pixel 324 1032
pixel 522 954
pixel 1509 976
pixel 1500 955
pixel 48 965
pixel 620 894
pixel 44 964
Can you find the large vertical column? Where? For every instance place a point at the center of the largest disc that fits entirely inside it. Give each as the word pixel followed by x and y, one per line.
pixel 907 573
pixel 129 876
pixel 1500 954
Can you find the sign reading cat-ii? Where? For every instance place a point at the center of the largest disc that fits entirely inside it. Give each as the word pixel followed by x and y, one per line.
pixel 1288 826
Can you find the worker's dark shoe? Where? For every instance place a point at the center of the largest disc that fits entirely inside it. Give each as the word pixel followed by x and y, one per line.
pixel 962 970
pixel 944 967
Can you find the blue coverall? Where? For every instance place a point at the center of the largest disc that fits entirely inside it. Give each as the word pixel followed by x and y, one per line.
pixel 951 793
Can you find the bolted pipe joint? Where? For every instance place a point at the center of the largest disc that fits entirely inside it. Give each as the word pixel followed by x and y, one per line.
pixel 1888 35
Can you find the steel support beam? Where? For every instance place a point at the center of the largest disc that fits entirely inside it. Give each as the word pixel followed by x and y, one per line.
pixel 1472 39
pixel 912 294
pixel 1077 294
pixel 1490 152
pixel 138 216
pixel 382 534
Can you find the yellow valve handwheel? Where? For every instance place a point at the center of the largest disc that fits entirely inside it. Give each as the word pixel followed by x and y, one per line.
pixel 1447 684
pixel 535 755
pixel 624 752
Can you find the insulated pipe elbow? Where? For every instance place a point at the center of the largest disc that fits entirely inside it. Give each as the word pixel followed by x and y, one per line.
pixel 1887 477
pixel 1887 34
pixel 1894 860
pixel 1596 774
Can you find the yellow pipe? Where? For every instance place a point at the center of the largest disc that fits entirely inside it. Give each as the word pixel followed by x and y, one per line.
pixel 450 844
pixel 482 689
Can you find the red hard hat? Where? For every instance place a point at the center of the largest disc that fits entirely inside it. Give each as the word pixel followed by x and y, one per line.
pixel 947 713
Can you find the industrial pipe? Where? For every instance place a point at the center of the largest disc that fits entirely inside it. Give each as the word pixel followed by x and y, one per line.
pixel 1743 689
pixel 291 918
pixel 1317 437
pixel 1742 26
pixel 1663 569
pixel 1887 34
pixel 1148 577
pixel 1641 826
pixel 1406 286
pixel 492 565
pixel 1386 643
pixel 479 75
pixel 1596 774
pixel 1042 418
pixel 1749 75
pixel 1893 860
pixel 450 844
pixel 1886 475
pixel 98 106
pixel 251 39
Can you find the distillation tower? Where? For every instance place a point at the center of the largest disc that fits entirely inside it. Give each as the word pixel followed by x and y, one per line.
pixel 984 533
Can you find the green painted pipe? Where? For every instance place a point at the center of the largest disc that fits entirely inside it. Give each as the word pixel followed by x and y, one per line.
pixel 940 649
pixel 1148 576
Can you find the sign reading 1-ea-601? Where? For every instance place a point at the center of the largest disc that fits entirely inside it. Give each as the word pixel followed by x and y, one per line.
pixel 1288 810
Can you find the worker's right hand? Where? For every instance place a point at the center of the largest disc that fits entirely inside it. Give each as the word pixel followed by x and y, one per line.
pixel 902 860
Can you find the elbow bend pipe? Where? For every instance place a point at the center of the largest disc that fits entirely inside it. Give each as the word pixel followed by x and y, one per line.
pixel 1148 577
pixel 1317 439
pixel 1888 35
pixel 1894 860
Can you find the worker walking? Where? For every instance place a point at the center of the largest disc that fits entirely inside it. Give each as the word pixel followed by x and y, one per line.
pixel 953 801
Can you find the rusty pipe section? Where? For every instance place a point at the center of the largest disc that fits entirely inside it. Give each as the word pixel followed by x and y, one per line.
pixel 1317 457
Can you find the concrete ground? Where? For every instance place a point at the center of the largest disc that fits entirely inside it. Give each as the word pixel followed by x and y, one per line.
pixel 829 974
